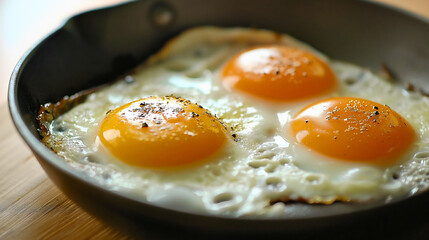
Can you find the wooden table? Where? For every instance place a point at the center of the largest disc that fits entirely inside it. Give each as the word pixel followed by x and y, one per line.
pixel 31 207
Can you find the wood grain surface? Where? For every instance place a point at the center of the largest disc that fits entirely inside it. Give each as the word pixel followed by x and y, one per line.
pixel 31 206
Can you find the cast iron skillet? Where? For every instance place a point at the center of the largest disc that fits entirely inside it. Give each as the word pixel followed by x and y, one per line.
pixel 96 47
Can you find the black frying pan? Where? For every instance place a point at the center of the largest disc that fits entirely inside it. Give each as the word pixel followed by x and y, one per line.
pixel 96 47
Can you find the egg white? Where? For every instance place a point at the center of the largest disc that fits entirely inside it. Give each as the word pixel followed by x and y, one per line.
pixel 265 164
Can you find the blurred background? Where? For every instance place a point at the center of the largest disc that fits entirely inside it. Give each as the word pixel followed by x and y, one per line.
pixel 24 22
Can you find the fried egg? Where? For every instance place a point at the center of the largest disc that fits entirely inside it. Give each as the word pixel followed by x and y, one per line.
pixel 236 121
pixel 161 132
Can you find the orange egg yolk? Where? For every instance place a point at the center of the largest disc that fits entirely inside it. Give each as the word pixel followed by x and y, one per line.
pixel 354 129
pixel 278 73
pixel 162 132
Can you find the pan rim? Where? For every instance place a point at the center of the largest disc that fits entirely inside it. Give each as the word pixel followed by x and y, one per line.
pixel 60 165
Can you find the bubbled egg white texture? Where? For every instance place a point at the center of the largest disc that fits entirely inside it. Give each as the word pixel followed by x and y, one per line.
pixel 264 165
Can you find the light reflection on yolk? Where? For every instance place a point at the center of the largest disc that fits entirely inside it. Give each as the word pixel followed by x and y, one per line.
pixel 354 129
pixel 162 132
pixel 278 73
